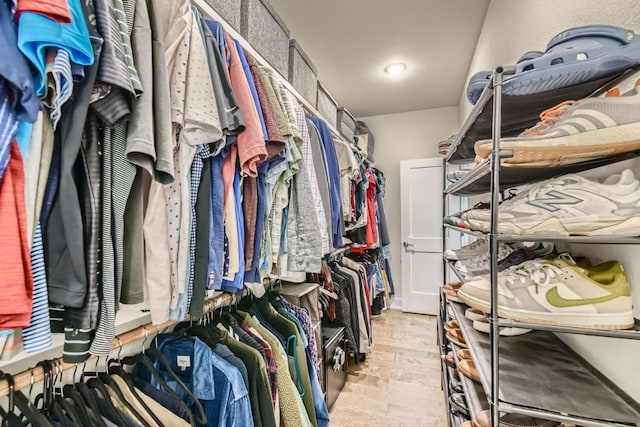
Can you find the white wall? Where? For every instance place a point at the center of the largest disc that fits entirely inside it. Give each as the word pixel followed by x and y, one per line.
pixel 514 27
pixel 403 136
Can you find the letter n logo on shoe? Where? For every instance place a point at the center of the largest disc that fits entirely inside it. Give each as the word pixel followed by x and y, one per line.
pixel 555 198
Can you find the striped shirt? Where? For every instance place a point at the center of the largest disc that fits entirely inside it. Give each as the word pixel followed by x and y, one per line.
pixel 37 336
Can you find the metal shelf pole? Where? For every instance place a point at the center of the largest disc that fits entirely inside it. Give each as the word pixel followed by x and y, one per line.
pixel 493 247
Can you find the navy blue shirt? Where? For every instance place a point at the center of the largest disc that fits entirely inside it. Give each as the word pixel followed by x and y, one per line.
pixel 333 173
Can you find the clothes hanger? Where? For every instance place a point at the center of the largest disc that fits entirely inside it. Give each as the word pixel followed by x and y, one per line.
pixel 41 401
pixel 118 369
pixel 90 396
pixel 145 359
pixel 9 417
pixel 115 387
pixel 71 392
pixel 98 388
pixel 63 410
pixel 30 414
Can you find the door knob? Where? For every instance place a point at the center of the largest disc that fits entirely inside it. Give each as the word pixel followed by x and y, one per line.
pixel 407 245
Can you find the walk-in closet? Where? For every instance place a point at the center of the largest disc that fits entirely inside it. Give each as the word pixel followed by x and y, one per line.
pixel 297 213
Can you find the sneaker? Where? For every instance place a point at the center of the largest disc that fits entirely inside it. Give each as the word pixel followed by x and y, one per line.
pixel 575 132
pixel 513 254
pixel 483 325
pixel 557 292
pixel 569 205
pixel 471 250
pixel 480 264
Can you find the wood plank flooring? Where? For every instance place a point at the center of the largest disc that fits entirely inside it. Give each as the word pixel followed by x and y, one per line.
pixel 399 384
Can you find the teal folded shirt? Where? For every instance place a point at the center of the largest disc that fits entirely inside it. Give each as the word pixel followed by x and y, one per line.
pixel 37 32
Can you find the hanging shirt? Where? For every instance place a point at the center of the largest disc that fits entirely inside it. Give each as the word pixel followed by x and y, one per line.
pixel 16 280
pixel 333 174
pixel 251 147
pixel 57 10
pixel 214 381
pixel 15 70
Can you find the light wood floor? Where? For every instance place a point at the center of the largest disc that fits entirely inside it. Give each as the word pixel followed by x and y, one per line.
pixel 399 384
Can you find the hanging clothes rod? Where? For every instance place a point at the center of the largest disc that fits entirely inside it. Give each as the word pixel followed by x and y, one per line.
pixel 26 378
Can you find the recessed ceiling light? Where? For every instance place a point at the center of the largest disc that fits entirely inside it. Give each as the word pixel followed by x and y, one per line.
pixel 395 69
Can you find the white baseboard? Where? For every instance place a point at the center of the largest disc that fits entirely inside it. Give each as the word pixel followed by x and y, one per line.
pixel 396 304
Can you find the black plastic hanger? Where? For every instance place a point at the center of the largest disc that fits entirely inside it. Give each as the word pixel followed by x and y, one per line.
pixel 157 355
pixel 103 393
pixel 109 382
pixel 9 417
pixel 41 401
pixel 114 367
pixel 70 392
pixel 144 360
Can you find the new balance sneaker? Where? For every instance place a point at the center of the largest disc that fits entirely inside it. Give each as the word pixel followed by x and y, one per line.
pixel 472 250
pixel 575 132
pixel 557 292
pixel 568 205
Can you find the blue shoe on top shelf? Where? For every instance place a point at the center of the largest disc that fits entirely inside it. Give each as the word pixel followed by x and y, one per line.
pixel 572 57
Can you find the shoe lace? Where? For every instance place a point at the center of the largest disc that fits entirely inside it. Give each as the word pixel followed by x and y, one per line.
pixel 539 272
pixel 549 117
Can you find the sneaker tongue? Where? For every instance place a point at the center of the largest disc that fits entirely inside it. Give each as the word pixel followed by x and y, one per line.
pixel 624 178
pixel 567 260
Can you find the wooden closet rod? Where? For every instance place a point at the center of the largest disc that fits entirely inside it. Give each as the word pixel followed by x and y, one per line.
pixel 36 374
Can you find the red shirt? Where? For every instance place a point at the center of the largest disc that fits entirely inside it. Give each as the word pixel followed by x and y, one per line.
pixel 58 10
pixel 16 281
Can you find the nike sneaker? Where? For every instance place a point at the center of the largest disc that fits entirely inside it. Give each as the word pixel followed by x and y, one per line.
pixel 568 205
pixel 575 132
pixel 483 325
pixel 557 292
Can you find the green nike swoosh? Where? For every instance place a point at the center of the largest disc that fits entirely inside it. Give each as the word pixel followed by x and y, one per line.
pixel 556 300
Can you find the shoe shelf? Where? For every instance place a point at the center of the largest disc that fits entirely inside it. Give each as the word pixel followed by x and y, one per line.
pixel 631 334
pixel 446 381
pixel 455 418
pixel 613 240
pixel 474 393
pixel 451 265
pixel 478 180
pixel 542 377
pixel 518 113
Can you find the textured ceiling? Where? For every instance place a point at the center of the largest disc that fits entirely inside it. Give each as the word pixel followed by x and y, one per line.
pixel 350 42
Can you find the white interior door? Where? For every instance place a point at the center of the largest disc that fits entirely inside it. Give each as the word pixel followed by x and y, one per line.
pixel 421 212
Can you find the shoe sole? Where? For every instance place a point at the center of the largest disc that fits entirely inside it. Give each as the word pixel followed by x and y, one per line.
pixel 602 321
pixel 474 316
pixel 569 149
pixel 456 342
pixel 454 299
pixel 485 328
pixel 629 227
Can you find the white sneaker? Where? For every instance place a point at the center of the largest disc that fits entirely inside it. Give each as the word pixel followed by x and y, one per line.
pixel 575 132
pixel 569 205
pixel 471 250
pixel 557 292
pixel 480 264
